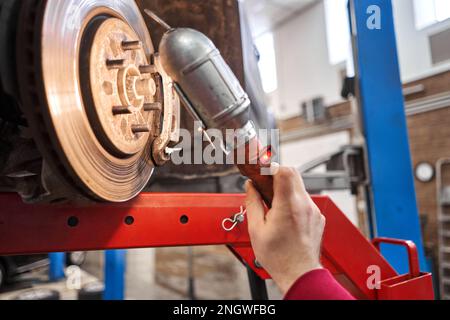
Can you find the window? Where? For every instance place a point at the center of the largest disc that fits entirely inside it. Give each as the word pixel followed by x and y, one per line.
pixel 268 62
pixel 429 12
pixel 338 31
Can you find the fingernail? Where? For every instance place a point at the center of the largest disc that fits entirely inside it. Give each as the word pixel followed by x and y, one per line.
pixel 274 168
pixel 247 185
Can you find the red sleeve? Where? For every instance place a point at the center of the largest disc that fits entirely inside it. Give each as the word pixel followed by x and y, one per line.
pixel 318 285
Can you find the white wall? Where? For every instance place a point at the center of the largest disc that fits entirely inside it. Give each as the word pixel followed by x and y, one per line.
pixel 304 71
pixel 413 45
pixel 299 153
pixel 302 60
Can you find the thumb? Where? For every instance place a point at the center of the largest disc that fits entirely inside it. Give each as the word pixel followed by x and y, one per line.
pixel 255 208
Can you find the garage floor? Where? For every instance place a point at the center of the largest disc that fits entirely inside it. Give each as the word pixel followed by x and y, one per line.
pixel 39 280
pixel 217 275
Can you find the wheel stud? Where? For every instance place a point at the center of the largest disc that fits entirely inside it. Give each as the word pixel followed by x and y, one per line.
pixel 156 106
pixel 148 69
pixel 139 128
pixel 119 110
pixel 131 45
pixel 115 63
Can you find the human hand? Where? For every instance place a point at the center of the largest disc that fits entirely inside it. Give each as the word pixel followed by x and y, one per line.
pixel 287 240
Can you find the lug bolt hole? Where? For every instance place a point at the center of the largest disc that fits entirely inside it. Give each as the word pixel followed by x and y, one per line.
pixel 108 88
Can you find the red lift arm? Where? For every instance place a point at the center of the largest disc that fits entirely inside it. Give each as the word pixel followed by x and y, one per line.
pixel 169 220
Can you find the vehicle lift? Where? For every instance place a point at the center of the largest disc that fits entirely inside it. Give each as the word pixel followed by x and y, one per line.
pixel 173 220
pixel 169 220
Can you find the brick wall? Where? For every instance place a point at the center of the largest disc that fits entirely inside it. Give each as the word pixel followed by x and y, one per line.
pixel 430 141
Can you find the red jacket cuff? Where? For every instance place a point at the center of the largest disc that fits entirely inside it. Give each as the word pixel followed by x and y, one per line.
pixel 318 285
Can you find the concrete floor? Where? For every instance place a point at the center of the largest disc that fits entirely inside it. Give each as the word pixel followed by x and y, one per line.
pixel 217 274
pixel 39 280
pixel 161 274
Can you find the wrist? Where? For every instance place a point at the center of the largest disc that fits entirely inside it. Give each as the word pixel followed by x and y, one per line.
pixel 286 280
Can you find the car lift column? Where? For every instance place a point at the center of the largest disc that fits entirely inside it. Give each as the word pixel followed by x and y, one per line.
pixel 115 267
pixel 57 264
pixel 379 88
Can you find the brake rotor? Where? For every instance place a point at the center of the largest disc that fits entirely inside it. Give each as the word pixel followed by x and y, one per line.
pixel 92 93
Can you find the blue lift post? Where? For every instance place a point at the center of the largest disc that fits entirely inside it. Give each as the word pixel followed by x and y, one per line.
pixel 115 267
pixel 57 264
pixel 395 212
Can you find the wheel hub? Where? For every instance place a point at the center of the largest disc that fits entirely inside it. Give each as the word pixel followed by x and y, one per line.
pixel 122 86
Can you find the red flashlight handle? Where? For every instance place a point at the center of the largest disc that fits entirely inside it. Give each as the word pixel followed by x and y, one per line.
pixel 257 170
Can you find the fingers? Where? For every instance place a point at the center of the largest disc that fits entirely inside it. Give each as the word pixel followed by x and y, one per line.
pixel 288 183
pixel 255 208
